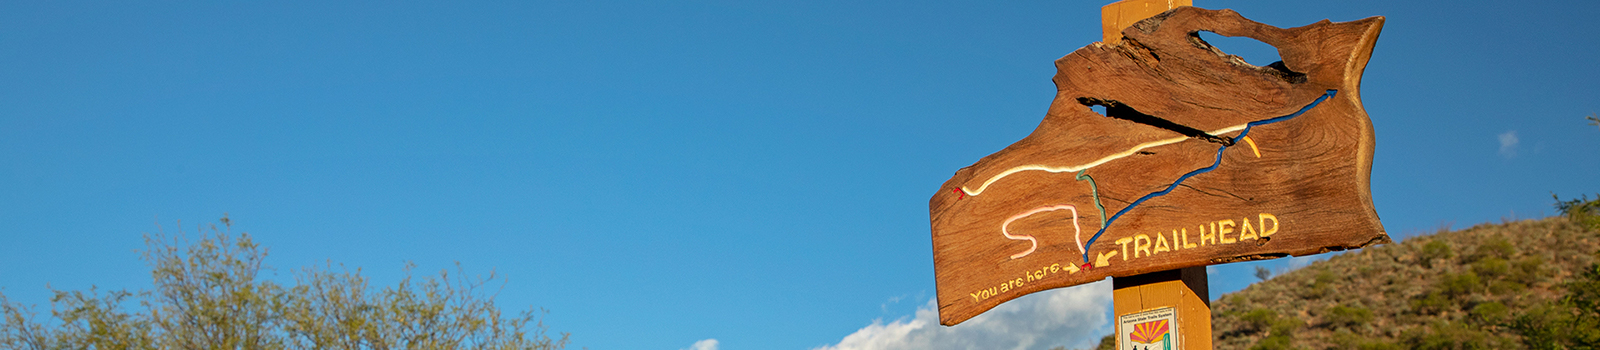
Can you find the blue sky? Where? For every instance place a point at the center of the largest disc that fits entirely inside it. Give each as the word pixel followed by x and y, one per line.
pixel 658 174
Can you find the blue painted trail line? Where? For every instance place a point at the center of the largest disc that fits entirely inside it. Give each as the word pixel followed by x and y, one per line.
pixel 1213 166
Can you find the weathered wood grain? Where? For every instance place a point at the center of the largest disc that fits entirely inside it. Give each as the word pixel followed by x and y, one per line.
pixel 1307 191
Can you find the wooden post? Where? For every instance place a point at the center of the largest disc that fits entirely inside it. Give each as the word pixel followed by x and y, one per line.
pixel 1119 15
pixel 1183 291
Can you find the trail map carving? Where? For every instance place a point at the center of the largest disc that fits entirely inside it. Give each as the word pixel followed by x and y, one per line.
pixel 1199 158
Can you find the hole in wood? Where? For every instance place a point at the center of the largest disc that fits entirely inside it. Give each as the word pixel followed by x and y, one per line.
pixel 1098 109
pixel 1114 109
pixel 1248 52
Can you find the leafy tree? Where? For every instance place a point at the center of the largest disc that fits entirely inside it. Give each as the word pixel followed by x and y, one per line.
pixel 1109 342
pixel 1581 210
pixel 209 295
pixel 1570 323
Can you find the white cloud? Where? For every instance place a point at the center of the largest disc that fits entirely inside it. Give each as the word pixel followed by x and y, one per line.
pixel 708 344
pixel 1074 317
pixel 892 300
pixel 1508 144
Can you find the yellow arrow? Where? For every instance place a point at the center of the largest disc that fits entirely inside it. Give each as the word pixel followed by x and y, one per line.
pixel 1071 269
pixel 1104 259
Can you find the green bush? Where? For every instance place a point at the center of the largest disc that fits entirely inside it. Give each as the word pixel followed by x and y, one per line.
pixel 1491 313
pixel 1541 327
pixel 1347 316
pixel 1493 248
pixel 1274 343
pixel 1259 319
pixel 1583 298
pixel 1321 285
pixel 1344 339
pixel 1280 331
pixel 1431 303
pixel 1573 322
pixel 1449 336
pixel 1436 249
pixel 1379 345
pixel 1528 270
pixel 1459 285
pixel 1505 287
pixel 1491 268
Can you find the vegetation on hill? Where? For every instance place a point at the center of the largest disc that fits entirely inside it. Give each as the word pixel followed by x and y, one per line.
pixel 1531 284
pixel 209 295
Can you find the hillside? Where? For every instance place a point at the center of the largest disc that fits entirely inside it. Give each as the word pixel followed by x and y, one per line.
pixel 1513 285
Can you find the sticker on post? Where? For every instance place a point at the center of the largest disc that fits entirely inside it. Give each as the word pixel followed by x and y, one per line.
pixel 1149 330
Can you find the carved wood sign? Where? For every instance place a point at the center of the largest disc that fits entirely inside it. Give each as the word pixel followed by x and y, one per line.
pixel 1199 158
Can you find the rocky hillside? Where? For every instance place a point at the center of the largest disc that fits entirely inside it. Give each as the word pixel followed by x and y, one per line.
pixel 1513 285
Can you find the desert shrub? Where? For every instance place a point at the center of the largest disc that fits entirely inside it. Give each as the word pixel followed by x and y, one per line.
pixel 1491 313
pixel 1274 343
pixel 1528 270
pixel 1491 268
pixel 1449 336
pixel 1259 319
pixel 1583 299
pixel 1573 322
pixel 1322 284
pixel 1326 277
pixel 1344 339
pixel 1459 285
pixel 1280 331
pixel 1436 249
pixel 1431 303
pixel 1505 287
pixel 1541 327
pixel 1347 316
pixel 1493 248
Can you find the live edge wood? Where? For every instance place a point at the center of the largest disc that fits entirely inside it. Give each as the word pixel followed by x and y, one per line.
pixel 1299 186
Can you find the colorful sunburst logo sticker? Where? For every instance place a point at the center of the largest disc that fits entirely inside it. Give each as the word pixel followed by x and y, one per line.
pixel 1149 330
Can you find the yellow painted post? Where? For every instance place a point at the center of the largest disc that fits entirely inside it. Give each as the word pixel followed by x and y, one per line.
pixel 1183 295
pixel 1119 15
pixel 1173 302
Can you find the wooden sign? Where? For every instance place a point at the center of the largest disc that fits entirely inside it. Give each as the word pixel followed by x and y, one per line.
pixel 1199 158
